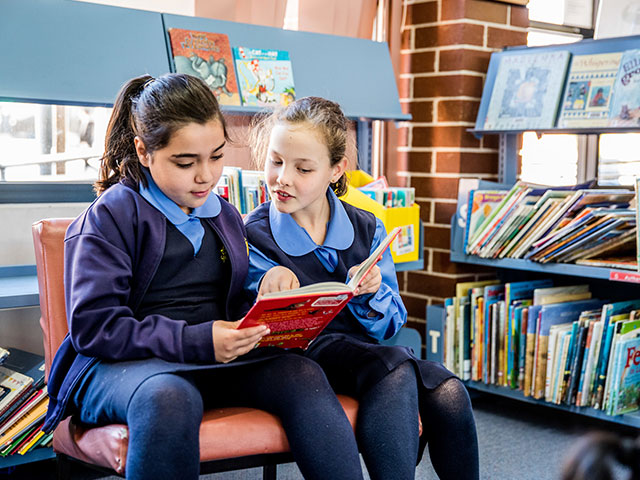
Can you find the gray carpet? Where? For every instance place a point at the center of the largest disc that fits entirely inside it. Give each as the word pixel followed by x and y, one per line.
pixel 517 441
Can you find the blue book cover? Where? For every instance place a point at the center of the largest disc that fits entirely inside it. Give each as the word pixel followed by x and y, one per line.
pixel 265 77
pixel 625 104
pixel 527 91
pixel 520 319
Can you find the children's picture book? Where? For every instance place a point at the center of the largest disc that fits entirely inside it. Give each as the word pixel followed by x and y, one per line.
pixel 481 204
pixel 208 56
pixel 296 317
pixel 265 76
pixel 625 106
pixel 527 91
pixel 626 389
pixel 589 89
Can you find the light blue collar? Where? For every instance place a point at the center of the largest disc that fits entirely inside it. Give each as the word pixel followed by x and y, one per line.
pixel 188 224
pixel 295 241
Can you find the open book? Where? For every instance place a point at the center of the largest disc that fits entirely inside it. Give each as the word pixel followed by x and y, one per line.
pixel 296 317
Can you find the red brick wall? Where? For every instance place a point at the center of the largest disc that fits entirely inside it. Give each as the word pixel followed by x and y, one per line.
pixel 445 47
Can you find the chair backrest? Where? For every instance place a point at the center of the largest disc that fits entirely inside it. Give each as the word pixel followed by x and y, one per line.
pixel 48 241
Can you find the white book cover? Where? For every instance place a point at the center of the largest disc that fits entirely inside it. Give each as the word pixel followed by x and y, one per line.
pixel 587 96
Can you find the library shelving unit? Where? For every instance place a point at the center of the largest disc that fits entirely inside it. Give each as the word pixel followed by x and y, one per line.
pixel 77 53
pixel 608 283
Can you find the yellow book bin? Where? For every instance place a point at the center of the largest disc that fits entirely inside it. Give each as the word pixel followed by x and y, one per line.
pixel 406 247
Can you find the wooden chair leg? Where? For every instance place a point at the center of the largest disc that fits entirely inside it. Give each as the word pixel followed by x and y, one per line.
pixel 269 472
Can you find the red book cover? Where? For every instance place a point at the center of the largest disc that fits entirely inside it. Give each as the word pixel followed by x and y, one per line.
pixel 296 317
pixel 208 56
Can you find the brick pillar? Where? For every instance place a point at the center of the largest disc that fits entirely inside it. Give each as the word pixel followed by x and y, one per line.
pixel 444 55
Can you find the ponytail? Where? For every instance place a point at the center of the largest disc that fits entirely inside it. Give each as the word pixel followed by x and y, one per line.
pixel 120 158
pixel 152 110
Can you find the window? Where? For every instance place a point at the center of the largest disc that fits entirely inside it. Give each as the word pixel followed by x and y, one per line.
pixel 553 159
pixel 50 142
pixel 618 159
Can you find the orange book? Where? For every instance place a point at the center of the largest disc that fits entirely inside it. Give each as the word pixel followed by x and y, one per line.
pixel 208 56
pixel 296 317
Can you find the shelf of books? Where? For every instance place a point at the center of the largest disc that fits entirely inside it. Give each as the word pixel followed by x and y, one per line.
pixel 541 343
pixel 23 405
pixel 561 335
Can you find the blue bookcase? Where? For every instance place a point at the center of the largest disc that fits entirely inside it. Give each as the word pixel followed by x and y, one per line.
pixel 626 281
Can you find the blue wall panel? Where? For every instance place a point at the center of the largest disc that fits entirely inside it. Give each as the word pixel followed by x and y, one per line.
pixel 67 52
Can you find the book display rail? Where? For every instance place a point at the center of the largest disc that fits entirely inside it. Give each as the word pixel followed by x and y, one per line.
pixel 579 109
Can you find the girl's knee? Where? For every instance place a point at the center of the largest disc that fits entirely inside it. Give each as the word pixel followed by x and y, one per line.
pixel 167 396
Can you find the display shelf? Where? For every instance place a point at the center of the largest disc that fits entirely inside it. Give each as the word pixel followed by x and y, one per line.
pixel 37 455
pixel 630 419
pixel 569 269
pixel 577 131
pixel 18 287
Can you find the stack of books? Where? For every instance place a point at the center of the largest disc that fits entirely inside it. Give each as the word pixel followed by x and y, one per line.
pixel 553 343
pixel 245 189
pixel 23 403
pixel 564 225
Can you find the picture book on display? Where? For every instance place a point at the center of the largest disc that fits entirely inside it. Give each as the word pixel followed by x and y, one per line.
pixel 208 56
pixel 527 91
pixel 625 106
pixel 265 76
pixel 589 89
pixel 296 317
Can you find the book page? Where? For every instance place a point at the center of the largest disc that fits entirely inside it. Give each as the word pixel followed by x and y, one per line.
pixel 368 264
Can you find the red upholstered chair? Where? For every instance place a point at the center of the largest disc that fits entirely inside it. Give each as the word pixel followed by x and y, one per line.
pixel 230 438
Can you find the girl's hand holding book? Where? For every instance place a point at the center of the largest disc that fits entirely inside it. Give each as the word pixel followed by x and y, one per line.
pixel 229 342
pixel 278 279
pixel 370 283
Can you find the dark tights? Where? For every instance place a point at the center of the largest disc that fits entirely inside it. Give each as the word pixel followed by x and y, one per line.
pixel 450 429
pixel 164 416
pixel 387 430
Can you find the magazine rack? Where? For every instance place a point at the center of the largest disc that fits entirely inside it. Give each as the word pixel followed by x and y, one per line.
pixel 517 269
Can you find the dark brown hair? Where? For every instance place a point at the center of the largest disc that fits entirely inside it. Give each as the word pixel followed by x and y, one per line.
pixel 153 110
pixel 321 115
pixel 595 455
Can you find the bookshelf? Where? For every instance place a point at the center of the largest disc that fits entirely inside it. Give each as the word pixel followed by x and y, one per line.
pixel 601 278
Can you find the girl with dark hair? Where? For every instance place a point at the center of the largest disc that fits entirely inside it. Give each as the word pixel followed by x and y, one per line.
pixel 307 235
pixel 154 274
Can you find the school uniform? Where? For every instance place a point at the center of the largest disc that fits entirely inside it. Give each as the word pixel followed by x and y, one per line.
pixel 144 282
pixel 348 349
